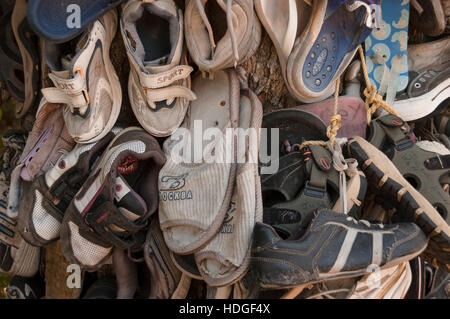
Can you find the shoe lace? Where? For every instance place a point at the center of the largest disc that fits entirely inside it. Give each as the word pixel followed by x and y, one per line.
pixel 201 9
pixel 364 222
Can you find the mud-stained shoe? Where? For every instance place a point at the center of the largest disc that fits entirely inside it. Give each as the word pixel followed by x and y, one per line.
pixel 411 205
pixel 159 81
pixel 221 34
pixel 328 246
pixel 115 202
pixel 85 81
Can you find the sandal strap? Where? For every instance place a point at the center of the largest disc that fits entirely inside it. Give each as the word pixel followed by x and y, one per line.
pixel 107 214
pixel 71 92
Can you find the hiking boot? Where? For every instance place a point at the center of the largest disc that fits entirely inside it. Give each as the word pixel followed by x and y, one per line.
pixel 46 199
pixel 159 81
pixel 330 245
pixel 221 34
pixel 115 202
pixel 411 205
pixel 85 81
pixel 48 140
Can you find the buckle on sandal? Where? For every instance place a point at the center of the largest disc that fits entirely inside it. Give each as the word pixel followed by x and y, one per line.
pixel 313 191
pixel 404 144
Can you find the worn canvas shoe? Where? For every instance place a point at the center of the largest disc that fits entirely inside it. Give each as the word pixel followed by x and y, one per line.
pixel 411 204
pixel 115 202
pixel 46 199
pixel 85 81
pixel 191 213
pixel 327 44
pixel 48 140
pixel 56 22
pixel 328 246
pixel 221 34
pixel 159 82
pixel 226 257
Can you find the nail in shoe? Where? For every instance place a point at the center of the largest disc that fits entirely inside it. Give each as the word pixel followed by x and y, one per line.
pixel 328 246
pixel 159 81
pixel 85 81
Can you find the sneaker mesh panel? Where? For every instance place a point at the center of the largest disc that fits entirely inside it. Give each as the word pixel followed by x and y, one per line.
pixel 86 252
pixel 45 225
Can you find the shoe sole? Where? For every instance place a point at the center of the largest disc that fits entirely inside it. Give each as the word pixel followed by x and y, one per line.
pixel 391 184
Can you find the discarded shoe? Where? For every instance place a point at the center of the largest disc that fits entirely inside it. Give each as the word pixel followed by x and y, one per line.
pixel 58 22
pixel 412 206
pixel 48 140
pixel 159 82
pixel 85 81
pixel 17 257
pixel 227 256
pixel 25 288
pixel 115 202
pixel 422 164
pixel 327 44
pixel 221 34
pixel 166 280
pixel 46 199
pixel 191 213
pixel 331 245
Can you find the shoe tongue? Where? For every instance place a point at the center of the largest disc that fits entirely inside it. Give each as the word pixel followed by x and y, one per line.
pixel 127 200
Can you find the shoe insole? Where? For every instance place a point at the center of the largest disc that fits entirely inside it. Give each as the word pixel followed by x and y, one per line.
pixel 154 33
pixel 217 18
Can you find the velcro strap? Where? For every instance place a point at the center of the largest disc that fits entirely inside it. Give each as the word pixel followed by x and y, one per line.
pixel 164 79
pixel 107 214
pixel 322 157
pixel 71 92
pixel 392 127
pixel 169 93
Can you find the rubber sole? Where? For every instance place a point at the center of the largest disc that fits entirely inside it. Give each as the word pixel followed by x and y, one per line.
pixel 411 205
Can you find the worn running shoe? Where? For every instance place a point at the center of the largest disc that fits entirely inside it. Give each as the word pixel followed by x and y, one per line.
pixel 46 199
pixel 115 202
pixel 330 245
pixel 85 81
pixel 159 82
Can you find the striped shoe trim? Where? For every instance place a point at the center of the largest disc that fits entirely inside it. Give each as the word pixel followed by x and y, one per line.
pixel 83 203
pixel 377 249
pixel 345 251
